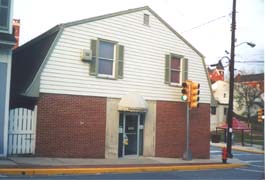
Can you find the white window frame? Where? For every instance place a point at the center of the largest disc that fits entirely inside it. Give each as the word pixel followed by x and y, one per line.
pixel 114 60
pixel 180 71
pixel 6 28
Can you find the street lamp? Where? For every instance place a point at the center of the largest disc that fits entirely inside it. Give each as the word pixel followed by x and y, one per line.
pixel 251 44
pixel 231 81
pixel 231 92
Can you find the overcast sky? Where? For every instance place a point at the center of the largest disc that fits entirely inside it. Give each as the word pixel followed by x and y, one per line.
pixel 204 23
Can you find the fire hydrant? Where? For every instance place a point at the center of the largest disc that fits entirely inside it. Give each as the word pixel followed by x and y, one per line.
pixel 224 154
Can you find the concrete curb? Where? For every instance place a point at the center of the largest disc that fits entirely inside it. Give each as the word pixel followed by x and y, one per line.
pixel 57 171
pixel 240 149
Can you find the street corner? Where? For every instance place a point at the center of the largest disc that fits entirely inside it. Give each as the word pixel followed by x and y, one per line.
pixel 248 149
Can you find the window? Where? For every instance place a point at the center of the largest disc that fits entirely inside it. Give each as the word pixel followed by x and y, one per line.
pixel 106 58
pixel 146 19
pixel 175 71
pixel 225 111
pixel 224 95
pixel 213 110
pixel 4 14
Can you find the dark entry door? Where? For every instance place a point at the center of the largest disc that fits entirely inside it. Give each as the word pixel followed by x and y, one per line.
pixel 131 134
pixel 131 130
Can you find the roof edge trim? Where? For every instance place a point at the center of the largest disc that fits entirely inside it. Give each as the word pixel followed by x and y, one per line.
pixel 175 32
pixel 40 37
pixel 35 79
pixel 73 23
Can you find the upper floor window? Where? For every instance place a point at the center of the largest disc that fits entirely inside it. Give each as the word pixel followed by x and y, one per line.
pixel 176 67
pixel 175 70
pixel 106 58
pixel 4 14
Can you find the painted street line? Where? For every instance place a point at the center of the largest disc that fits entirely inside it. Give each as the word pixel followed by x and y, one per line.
pixel 254 161
pixel 215 151
pixel 256 166
pixel 250 170
pixel 239 154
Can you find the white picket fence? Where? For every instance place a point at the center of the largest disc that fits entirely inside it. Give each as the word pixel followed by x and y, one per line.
pixel 21 131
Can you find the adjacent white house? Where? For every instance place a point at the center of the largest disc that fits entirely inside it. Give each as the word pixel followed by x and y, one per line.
pixel 7 41
pixel 219 112
pixel 110 86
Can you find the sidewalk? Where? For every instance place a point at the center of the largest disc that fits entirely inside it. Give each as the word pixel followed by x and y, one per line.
pixel 52 166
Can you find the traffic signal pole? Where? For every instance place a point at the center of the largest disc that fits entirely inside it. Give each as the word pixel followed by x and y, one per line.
pixel 187 154
pixel 190 94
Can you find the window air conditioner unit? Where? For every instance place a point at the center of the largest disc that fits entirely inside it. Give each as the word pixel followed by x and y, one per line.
pixel 86 55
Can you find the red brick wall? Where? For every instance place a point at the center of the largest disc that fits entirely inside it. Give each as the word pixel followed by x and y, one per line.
pixel 71 126
pixel 171 130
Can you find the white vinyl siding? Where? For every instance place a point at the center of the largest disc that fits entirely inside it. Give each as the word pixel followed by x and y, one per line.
pixel 144 60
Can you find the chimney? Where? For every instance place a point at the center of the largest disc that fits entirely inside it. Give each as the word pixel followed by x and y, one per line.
pixel 16 29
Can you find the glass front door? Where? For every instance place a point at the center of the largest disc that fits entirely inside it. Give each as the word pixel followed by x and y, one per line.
pixel 131 129
pixel 131 134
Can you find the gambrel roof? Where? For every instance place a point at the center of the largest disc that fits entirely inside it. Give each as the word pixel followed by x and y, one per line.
pixel 32 56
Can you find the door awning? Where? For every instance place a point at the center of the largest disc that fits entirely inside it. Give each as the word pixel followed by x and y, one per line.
pixel 132 102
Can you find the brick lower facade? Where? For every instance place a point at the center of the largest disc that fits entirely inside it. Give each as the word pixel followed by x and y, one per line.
pixel 75 126
pixel 71 126
pixel 171 130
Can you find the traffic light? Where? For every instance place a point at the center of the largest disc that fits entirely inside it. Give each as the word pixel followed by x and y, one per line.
pixel 186 91
pixel 260 114
pixel 194 95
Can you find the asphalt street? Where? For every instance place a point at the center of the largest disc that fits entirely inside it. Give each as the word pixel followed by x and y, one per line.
pixel 255 170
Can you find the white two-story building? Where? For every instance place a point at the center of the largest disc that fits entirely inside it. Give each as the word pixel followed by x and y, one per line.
pixel 110 86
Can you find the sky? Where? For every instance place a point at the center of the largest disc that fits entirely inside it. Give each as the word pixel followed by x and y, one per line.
pixel 206 24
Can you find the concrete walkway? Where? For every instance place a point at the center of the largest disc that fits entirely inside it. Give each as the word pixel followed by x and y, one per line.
pixel 51 166
pixel 57 162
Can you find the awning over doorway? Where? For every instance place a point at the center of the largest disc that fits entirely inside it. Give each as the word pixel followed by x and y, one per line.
pixel 132 102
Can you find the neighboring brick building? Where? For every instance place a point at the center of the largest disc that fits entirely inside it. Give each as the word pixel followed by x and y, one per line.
pixel 253 80
pixel 122 97
pixel 16 31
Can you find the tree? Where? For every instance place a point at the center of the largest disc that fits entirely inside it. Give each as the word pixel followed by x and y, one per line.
pixel 247 98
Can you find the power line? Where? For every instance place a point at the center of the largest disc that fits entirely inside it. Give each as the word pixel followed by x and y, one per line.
pixel 208 22
pixel 249 61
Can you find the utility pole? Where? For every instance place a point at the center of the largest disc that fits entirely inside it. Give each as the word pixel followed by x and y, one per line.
pixel 231 83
